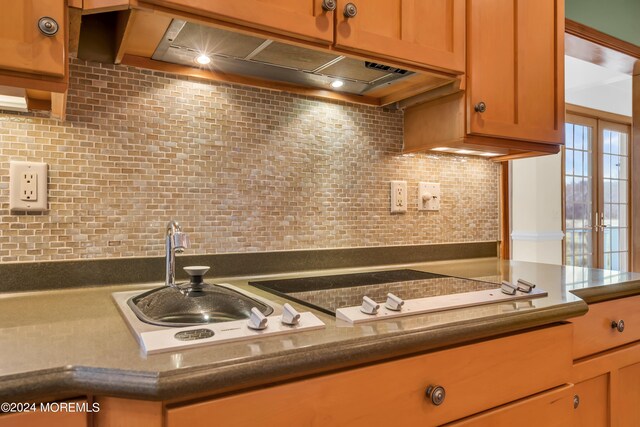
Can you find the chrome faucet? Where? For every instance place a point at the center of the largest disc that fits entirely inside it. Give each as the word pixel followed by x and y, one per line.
pixel 176 242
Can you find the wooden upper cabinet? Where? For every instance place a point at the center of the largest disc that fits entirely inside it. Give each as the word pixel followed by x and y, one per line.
pixel 426 33
pixel 304 19
pixel 515 69
pixel 23 47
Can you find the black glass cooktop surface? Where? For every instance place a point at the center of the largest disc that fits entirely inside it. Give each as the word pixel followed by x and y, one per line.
pixel 328 293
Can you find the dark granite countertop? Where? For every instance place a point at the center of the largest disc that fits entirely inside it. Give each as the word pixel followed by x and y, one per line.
pixel 71 342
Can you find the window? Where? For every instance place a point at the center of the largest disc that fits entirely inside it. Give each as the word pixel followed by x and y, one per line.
pixel 596 193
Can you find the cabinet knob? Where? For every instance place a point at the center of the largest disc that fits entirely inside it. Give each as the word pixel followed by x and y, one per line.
pixel 480 107
pixel 329 5
pixel 47 26
pixel 350 10
pixel 576 401
pixel 436 393
pixel 619 325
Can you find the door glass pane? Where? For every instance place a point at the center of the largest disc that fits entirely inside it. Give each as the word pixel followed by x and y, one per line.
pixel 616 205
pixel 579 194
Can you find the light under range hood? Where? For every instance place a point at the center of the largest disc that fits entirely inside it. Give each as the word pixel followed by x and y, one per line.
pixel 240 54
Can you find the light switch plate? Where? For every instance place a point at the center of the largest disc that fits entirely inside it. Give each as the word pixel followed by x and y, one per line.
pixel 27 186
pixel 398 196
pixel 428 196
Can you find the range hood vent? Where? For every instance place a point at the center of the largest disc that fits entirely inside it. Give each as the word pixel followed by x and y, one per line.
pixel 388 68
pixel 240 54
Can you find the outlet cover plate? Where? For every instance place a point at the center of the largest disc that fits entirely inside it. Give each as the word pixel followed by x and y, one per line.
pixel 27 186
pixel 428 196
pixel 398 196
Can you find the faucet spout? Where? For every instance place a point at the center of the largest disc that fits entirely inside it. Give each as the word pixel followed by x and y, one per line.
pixel 176 242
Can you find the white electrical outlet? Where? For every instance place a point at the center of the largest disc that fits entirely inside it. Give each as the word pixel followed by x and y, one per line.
pixel 428 196
pixel 27 186
pixel 398 196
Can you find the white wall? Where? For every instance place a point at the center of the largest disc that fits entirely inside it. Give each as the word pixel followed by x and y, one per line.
pixel 536 209
pixel 536 184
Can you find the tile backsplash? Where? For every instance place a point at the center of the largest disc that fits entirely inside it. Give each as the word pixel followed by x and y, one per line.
pixel 242 169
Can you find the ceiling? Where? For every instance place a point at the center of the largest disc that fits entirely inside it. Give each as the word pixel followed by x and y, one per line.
pixel 597 87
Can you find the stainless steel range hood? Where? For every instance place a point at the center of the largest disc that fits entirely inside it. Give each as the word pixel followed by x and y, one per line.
pixel 240 54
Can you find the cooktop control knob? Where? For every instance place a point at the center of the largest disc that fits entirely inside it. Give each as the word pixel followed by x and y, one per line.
pixel 524 286
pixel 507 288
pixel 369 306
pixel 257 320
pixel 289 315
pixel 394 303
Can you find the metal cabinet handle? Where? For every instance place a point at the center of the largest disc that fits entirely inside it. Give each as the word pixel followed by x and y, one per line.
pixel 436 393
pixel 329 5
pixel 480 107
pixel 619 325
pixel 350 10
pixel 48 26
pixel 576 401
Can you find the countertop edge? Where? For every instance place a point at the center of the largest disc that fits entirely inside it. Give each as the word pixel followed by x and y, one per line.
pixel 70 381
pixel 603 293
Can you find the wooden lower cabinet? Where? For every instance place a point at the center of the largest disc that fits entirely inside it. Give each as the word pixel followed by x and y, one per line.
pixel 475 378
pixel 553 408
pixel 57 418
pixel 594 333
pixel 606 371
pixel 593 406
pixel 628 395
pixel 608 385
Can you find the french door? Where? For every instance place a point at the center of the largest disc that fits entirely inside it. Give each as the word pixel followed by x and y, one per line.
pixel 596 171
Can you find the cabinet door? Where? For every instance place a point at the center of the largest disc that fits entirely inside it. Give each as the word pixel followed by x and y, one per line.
pixel 23 47
pixel 627 398
pixel 61 418
pixel 593 409
pixel 550 409
pixel 516 68
pixel 298 18
pixel 429 33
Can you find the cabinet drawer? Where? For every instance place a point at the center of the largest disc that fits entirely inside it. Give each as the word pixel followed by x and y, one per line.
pixel 593 332
pixel 475 377
pixel 550 409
